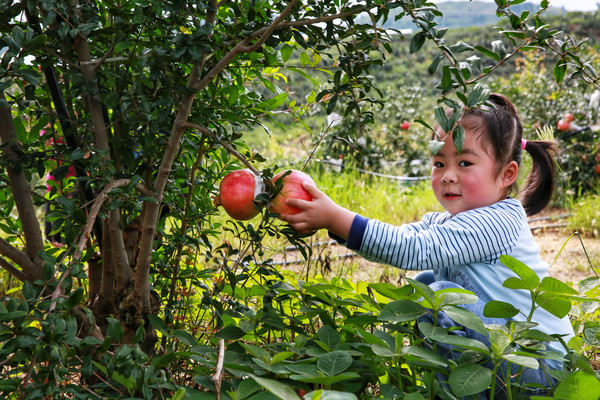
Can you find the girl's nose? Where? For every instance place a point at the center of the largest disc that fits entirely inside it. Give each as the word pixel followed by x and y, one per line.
pixel 448 177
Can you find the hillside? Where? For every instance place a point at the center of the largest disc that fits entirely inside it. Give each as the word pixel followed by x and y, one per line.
pixel 463 14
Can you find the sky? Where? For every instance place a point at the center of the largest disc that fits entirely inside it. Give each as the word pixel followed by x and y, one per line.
pixel 569 5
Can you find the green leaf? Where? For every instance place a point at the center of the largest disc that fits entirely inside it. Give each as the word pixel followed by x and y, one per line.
pixel 435 63
pixel 327 380
pixel 435 146
pixel 329 395
pixel 286 51
pixel 550 284
pixel 465 318
pixel 329 336
pixel 488 52
pixel 557 306
pixel 458 136
pixel 230 333
pixel 425 354
pixel 579 385
pixel 463 342
pixel 185 337
pixel 158 324
pixel 279 389
pixel 417 42
pixel 515 283
pixel 401 311
pixel 560 70
pixel 528 362
pixel 334 363
pixel 179 394
pixel 469 379
pixel 522 270
pixel 115 329
pixel 499 309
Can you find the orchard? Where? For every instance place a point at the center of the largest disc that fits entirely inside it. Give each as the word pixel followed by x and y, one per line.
pixel 123 277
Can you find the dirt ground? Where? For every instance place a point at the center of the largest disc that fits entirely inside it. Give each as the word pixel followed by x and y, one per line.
pixel 567 254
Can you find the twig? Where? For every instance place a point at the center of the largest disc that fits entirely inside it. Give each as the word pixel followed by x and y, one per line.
pixel 229 148
pixel 218 376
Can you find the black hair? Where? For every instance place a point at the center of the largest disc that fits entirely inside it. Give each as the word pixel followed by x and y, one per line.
pixel 503 130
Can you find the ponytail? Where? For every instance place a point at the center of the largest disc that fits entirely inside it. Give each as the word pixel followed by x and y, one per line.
pixel 502 127
pixel 537 192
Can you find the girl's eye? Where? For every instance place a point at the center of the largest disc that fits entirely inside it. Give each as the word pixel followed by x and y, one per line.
pixel 438 164
pixel 464 164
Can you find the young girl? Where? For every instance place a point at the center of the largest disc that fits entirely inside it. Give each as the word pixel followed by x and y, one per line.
pixel 460 248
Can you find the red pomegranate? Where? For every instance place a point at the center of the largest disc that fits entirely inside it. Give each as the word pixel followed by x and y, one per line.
pixel 563 125
pixel 291 189
pixel 237 192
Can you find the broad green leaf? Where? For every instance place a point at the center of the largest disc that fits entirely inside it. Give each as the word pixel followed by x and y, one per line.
pixel 522 270
pixel 185 337
pixel 281 356
pixel 435 63
pixel 528 362
pixel 499 341
pixel 560 70
pixel 329 395
pixel 460 341
pixel 425 354
pixel 435 146
pixel 550 284
pixel 382 350
pixel 455 296
pixel 465 318
pixel 279 389
pixel 308 370
pixel 417 42
pixel 421 288
pixel 334 363
pixel 327 380
pixel 458 136
pixel 157 323
pixel 557 306
pixel 179 394
pixel 491 54
pixel 286 51
pixel 469 379
pixel 401 311
pixel 579 385
pixel 115 329
pixel 328 336
pixel 515 283
pixel 230 333
pixel 499 309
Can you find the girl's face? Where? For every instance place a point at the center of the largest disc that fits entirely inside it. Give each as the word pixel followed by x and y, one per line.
pixel 468 180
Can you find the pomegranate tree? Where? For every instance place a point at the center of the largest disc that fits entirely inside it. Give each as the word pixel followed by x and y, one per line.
pixel 237 192
pixel 291 189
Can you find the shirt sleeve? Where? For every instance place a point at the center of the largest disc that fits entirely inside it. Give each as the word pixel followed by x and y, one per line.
pixel 441 240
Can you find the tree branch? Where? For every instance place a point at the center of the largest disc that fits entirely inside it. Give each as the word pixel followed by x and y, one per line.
pixel 13 271
pixel 229 148
pixel 21 190
pixel 244 46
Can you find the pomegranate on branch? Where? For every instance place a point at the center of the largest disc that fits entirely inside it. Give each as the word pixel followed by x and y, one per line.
pixel 237 192
pixel 291 189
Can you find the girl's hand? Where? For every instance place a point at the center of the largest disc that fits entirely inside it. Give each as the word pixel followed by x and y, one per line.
pixel 320 213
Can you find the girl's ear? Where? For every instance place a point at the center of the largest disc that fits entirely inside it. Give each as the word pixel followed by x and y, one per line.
pixel 510 172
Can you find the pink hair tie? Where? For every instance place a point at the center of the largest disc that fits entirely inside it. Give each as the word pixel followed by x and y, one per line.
pixel 523 143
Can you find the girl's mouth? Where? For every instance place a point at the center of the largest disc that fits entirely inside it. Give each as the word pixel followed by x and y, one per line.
pixel 451 196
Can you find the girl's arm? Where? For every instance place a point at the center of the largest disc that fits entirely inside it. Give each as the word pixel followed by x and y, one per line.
pixel 320 213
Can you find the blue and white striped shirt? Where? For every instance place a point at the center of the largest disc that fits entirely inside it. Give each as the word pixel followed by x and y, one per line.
pixel 464 249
